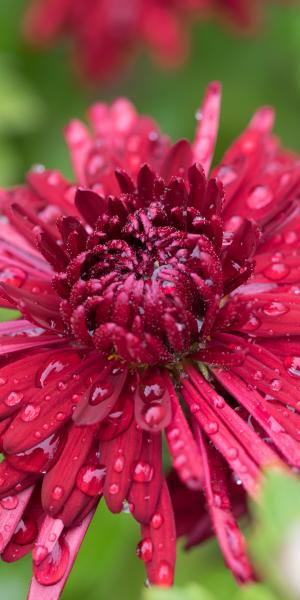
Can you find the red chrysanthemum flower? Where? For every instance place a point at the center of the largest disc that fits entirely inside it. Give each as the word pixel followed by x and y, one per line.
pixel 107 32
pixel 153 299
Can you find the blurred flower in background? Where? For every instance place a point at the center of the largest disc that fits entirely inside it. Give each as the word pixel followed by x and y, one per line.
pixel 148 287
pixel 107 33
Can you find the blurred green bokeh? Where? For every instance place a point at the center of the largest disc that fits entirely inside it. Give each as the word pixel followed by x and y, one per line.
pixel 38 95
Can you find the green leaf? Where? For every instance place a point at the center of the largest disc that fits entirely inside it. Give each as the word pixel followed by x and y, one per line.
pixel 255 592
pixel 189 592
pixel 21 109
pixel 275 544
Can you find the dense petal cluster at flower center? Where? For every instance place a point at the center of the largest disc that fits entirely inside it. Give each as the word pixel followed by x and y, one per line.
pixel 146 283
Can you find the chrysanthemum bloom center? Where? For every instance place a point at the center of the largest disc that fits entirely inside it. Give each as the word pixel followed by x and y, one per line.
pixel 145 282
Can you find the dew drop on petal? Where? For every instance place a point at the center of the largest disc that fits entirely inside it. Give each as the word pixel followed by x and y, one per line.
pixel 157 520
pixel 51 570
pixel 14 398
pixel 39 552
pixel 232 453
pixel 143 472
pixel 57 492
pixel 252 324
pixel 276 385
pixel 164 574
pixel 152 392
pixel 292 364
pixel 259 197
pixel 275 309
pixel 30 412
pixel 90 479
pixel 145 550
pixel 100 391
pixel 277 271
pixel 10 502
pixel 25 532
pixel 212 428
pixel 114 489
pixel 154 415
pixel 119 464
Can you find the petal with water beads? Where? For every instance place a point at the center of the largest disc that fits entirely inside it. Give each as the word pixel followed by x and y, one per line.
pixel 60 480
pixel 120 455
pixel 160 535
pixel 147 478
pixel 230 537
pixel 11 510
pixel 185 454
pixel 50 577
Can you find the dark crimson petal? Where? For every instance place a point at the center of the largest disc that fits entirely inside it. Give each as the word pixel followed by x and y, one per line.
pixel 51 570
pixel 153 410
pixel 90 205
pixel 77 507
pixel 230 538
pixel 120 456
pixel 99 401
pixel 177 161
pixel 52 252
pixel 206 134
pixel 162 535
pixel 39 458
pixel 60 480
pixel 12 480
pixel 11 515
pixel 20 377
pixel 185 454
pixel 51 586
pixel 146 478
pixel 50 407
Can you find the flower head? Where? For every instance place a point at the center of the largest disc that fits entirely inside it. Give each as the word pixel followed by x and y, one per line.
pixel 106 33
pixel 154 299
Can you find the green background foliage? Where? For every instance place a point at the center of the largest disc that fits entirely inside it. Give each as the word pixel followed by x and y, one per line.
pixel 38 95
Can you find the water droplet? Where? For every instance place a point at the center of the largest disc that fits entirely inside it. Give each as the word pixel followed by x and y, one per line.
pixel 292 364
pixel 277 271
pixel 25 533
pixel 259 197
pixel 276 385
pixel 275 309
pixel 119 464
pixel 212 428
pixel 90 479
pixel 152 392
pixel 10 502
pixel 290 237
pixel 39 553
pixel 14 398
pixel 57 492
pixel 143 472
pixel 275 426
pixel 145 550
pixel 219 402
pixel 227 174
pixel 154 415
pixel 114 489
pixel 157 520
pixel 252 324
pixel 51 570
pixel 164 574
pixel 232 453
pixel 30 412
pixel 100 391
